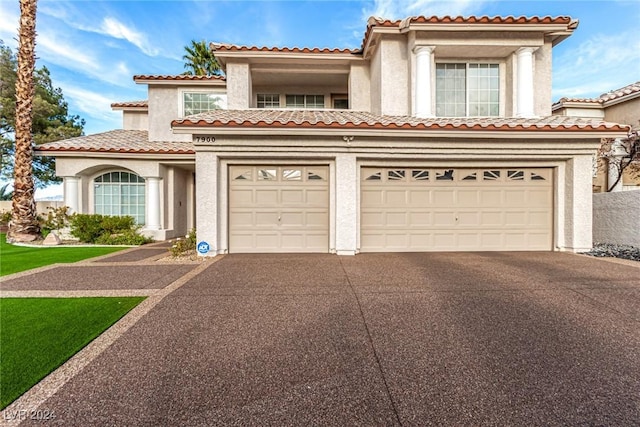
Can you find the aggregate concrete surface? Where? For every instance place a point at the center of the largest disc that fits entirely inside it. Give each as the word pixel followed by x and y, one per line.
pixel 376 339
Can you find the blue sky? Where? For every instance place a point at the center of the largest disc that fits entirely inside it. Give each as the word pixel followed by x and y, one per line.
pixel 93 48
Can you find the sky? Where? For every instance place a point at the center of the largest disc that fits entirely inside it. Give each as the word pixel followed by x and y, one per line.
pixel 93 47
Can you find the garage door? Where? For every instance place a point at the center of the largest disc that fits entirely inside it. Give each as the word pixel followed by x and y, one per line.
pixel 278 209
pixel 411 209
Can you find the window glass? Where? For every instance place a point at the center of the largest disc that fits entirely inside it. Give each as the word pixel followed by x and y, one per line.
pixel 200 102
pixel 268 100
pixel 304 101
pixel 467 90
pixel 120 194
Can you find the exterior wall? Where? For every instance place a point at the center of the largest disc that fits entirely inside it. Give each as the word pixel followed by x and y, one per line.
pixel 576 198
pixel 624 112
pixel 360 87
pixel 135 120
pixel 596 113
pixel 542 81
pixel 41 206
pixel 238 86
pixel 394 77
pixel 616 217
pixel 376 82
pixel 164 107
pixel 207 206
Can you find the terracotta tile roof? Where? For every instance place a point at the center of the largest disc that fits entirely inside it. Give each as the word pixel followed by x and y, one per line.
pixel 466 20
pixel 604 98
pixel 180 77
pixel 224 47
pixel 131 104
pixel 118 141
pixel 346 119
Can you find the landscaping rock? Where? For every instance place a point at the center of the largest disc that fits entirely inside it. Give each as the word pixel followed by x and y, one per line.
pixel 615 251
pixel 52 239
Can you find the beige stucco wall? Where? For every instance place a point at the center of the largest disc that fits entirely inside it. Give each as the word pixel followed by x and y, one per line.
pixel 616 217
pixel 542 81
pixel 135 120
pixel 376 82
pixel 394 74
pixel 360 87
pixel 164 105
pixel 238 86
pixel 624 112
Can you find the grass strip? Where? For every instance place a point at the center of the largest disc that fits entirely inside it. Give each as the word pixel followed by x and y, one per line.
pixel 39 334
pixel 14 259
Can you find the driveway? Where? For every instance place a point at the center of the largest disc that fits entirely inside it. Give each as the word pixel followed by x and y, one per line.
pixel 375 339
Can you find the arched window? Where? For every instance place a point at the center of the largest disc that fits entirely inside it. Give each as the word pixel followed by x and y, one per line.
pixel 120 194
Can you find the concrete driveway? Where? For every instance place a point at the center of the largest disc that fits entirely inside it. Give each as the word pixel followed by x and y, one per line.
pixel 376 339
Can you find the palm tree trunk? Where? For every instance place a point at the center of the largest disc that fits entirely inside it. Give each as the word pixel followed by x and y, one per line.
pixel 24 225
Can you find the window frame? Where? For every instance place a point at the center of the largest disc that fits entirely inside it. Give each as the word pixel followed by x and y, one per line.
pixel 306 102
pixel 183 91
pixel 467 61
pixel 142 184
pixel 275 95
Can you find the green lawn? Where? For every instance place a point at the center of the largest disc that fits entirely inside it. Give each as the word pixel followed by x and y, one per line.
pixel 39 334
pixel 19 258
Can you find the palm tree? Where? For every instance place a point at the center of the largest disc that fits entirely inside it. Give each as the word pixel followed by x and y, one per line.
pixel 24 225
pixel 200 60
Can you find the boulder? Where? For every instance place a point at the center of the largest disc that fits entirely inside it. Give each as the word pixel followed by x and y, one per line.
pixel 52 239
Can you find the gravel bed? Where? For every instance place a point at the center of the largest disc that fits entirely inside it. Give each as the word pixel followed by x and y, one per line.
pixel 615 251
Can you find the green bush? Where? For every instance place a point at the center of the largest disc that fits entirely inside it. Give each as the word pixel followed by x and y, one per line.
pixel 107 230
pixel 5 217
pixel 56 219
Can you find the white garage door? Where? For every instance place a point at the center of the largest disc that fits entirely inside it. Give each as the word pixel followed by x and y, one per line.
pixel 278 209
pixel 412 209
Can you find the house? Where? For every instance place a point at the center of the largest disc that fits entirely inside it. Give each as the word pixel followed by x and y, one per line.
pixel 620 106
pixel 436 134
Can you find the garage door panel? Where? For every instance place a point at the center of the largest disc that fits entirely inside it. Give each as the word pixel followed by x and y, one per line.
pixel 278 209
pixel 456 209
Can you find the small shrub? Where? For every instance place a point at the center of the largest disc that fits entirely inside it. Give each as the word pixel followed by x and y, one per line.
pixel 87 228
pixel 107 230
pixel 5 217
pixel 57 218
pixel 129 237
pixel 183 246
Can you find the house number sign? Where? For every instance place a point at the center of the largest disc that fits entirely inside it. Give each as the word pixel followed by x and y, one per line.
pixel 208 139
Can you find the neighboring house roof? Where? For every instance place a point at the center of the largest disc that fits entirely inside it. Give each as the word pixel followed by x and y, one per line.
pixel 118 141
pixel 346 119
pixel 609 98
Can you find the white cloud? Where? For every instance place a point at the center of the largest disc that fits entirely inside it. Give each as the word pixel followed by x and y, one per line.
pixel 116 29
pixel 90 103
pixel 599 64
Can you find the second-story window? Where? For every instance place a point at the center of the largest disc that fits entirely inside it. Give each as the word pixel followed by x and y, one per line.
pixel 200 102
pixel 268 100
pixel 305 101
pixel 467 90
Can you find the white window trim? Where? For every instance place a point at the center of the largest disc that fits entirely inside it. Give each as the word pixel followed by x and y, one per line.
pixel 182 91
pixel 502 69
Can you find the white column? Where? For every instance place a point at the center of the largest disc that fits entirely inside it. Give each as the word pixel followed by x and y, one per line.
pixel 524 82
pixel 423 90
pixel 346 204
pixel 153 203
pixel 71 186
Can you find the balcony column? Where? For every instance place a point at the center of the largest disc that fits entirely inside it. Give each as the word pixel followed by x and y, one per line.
pixel 71 191
pixel 153 203
pixel 524 82
pixel 423 89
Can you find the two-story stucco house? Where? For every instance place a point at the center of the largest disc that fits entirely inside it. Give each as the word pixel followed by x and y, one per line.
pixel 435 135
